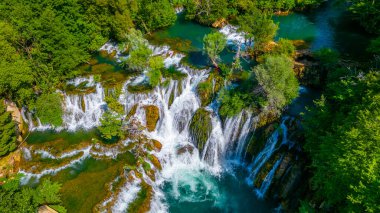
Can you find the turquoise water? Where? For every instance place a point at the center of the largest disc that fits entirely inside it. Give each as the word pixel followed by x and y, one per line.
pixel 202 192
pixel 188 31
pixel 327 27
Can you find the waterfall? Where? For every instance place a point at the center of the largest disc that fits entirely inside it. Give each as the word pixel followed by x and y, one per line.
pixel 214 147
pixel 80 111
pixel 84 111
pixel 268 179
pixel 182 164
pixel 264 155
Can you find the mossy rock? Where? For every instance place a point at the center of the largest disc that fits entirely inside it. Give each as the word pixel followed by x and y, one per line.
pixel 131 112
pixel 100 68
pixel 208 89
pixel 140 88
pixel 142 202
pixel 152 114
pixel 200 128
pixel 157 145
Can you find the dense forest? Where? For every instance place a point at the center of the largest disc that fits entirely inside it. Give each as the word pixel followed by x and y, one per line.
pixel 43 43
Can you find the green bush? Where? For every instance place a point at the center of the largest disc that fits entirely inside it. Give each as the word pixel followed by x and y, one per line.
pixel 277 79
pixel 111 126
pixel 49 109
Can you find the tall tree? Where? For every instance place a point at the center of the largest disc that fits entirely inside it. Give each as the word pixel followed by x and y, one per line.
pixel 258 27
pixel 213 45
pixel 277 79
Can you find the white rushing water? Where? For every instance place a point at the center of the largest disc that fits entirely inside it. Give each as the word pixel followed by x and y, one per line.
pixel 182 164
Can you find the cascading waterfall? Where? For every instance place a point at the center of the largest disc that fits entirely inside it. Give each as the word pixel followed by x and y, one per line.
pixel 81 111
pixel 84 111
pixel 268 179
pixel 182 164
pixel 266 153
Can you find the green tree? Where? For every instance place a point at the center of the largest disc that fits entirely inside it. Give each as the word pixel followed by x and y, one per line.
pixel 17 198
pixel 138 58
pixel 258 27
pixel 8 139
pixel 156 14
pixel 284 47
pixel 111 126
pixel 374 47
pixel 156 64
pixel 367 13
pixel 213 45
pixel 232 102
pixel 208 11
pixel 49 109
pixel 342 138
pixel 277 79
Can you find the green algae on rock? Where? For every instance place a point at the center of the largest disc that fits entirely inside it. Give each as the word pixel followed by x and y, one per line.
pixel 152 114
pixel 200 128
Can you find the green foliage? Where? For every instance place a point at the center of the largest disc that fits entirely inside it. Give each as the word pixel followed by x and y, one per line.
pixel 16 198
pixel 367 13
pixel 173 73
pixel 139 58
pixel 278 80
pixel 111 126
pixel 213 45
pixel 113 103
pixel 200 128
pixel 232 102
pixel 156 14
pixel 49 109
pixel 8 140
pixel 154 77
pixel 374 47
pixel 258 26
pixel 327 57
pixel 225 71
pixel 342 137
pixel 207 12
pixel 284 47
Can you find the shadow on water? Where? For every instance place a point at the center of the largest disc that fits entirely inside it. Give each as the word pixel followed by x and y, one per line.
pixel 329 26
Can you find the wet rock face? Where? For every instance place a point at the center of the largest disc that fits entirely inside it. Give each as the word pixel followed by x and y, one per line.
pixel 152 114
pixel 200 128
pixel 185 149
pixel 289 181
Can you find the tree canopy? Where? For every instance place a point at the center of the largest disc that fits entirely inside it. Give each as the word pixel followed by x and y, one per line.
pixel 277 79
pixel 213 45
pixel 8 139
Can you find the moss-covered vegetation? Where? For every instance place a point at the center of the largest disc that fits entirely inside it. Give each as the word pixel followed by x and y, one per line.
pixel 152 114
pixel 200 128
pixel 142 202
pixel 208 89
pixel 173 73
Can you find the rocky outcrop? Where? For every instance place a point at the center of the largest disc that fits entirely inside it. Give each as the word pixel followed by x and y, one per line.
pixel 46 209
pixel 219 23
pixel 200 128
pixel 16 116
pixel 152 114
pixel 9 165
